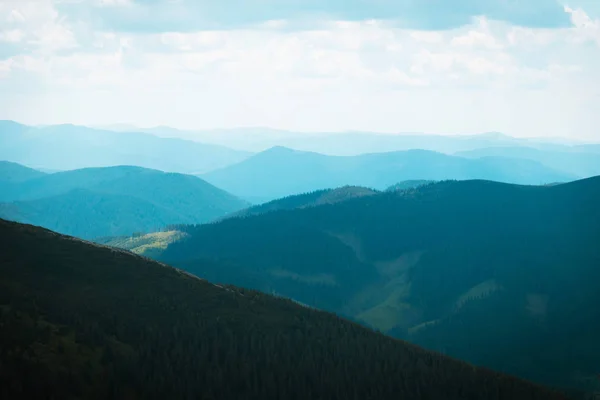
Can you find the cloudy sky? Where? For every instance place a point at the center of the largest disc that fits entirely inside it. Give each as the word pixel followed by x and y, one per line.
pixel 522 67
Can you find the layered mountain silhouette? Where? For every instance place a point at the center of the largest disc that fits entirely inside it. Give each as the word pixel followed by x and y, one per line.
pixel 320 197
pixel 256 139
pixel 13 172
pixel 112 201
pixel 500 275
pixel 312 199
pixel 66 147
pixel 582 161
pixel 280 172
pixel 85 321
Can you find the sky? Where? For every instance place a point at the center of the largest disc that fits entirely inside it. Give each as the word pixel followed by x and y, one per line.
pixel 525 68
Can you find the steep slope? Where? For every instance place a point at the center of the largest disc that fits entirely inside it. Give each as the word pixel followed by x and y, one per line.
pixel 579 160
pixel 65 147
pixel 112 201
pixel 281 172
pixel 82 321
pixel 501 275
pixel 12 172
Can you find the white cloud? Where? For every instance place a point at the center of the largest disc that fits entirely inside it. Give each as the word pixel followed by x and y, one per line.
pixel 190 41
pixel 52 37
pixel 475 38
pixel 11 36
pixel 586 27
pixel 480 36
pixel 36 22
pixel 427 36
pixel 15 16
pixel 113 3
pixel 274 24
pixel 5 67
pixel 488 75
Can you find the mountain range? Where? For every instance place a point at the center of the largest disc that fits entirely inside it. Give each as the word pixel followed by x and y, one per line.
pixel 349 143
pixel 582 161
pixel 112 201
pixel 13 172
pixel 223 156
pixel 66 147
pixel 86 321
pixel 500 275
pixel 481 248
pixel 281 172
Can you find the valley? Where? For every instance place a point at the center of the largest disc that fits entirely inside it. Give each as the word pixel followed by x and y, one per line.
pixel 152 331
pixel 299 200
pixel 439 265
pixel 487 256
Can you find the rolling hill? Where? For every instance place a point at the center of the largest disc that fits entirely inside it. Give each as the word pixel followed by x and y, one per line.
pixel 581 161
pixel 500 275
pixel 89 215
pixel 66 147
pixel 84 321
pixel 280 172
pixel 114 201
pixel 13 172
pixel 312 199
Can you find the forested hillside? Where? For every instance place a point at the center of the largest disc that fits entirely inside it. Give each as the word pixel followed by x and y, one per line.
pixel 501 275
pixel 411 184
pixel 88 215
pixel 316 198
pixel 148 244
pixel 83 321
pixel 112 201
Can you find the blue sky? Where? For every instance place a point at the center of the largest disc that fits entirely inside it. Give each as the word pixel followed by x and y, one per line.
pixel 526 68
pixel 161 15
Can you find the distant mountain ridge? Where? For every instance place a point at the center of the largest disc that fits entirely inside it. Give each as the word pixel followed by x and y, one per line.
pixel 67 147
pixel 13 172
pixel 347 143
pixel 114 201
pixel 280 172
pixel 582 161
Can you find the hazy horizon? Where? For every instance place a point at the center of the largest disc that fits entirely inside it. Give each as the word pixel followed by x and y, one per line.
pixel 524 70
pixel 187 134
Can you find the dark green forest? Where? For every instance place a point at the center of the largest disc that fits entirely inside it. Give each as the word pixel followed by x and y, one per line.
pixel 500 275
pixel 85 321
